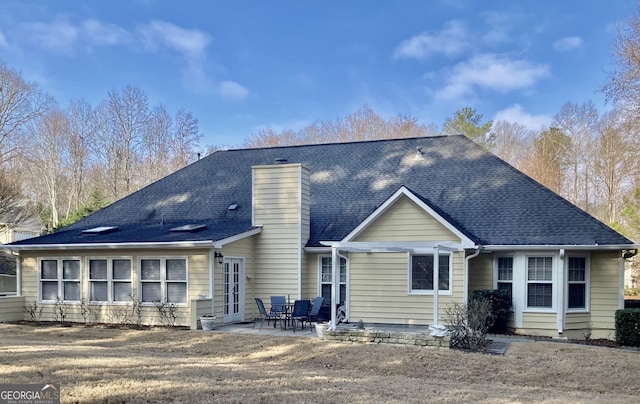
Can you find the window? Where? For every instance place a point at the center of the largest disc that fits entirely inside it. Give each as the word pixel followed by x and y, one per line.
pixel 577 280
pixel 60 279
pixel 422 272
pixel 163 279
pixel 540 282
pixel 326 273
pixel 110 280
pixel 505 276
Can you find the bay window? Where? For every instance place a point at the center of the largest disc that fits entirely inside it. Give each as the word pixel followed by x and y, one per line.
pixel 540 282
pixel 577 283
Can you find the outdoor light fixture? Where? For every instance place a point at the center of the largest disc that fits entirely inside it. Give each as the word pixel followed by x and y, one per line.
pixel 220 257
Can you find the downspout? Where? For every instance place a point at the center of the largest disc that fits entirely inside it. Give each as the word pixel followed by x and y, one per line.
pixel 465 291
pixel 212 265
pixel 346 301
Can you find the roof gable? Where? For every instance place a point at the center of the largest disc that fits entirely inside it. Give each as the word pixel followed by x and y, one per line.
pixel 415 220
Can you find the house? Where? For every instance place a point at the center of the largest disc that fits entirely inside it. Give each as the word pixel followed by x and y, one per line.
pixel 372 226
pixel 29 226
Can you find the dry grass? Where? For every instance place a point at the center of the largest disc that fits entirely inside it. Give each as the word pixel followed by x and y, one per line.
pixel 159 365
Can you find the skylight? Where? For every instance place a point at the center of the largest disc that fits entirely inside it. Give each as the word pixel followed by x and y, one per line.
pixel 233 206
pixel 188 228
pixel 101 230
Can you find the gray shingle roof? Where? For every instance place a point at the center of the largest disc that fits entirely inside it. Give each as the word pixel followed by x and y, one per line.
pixel 487 199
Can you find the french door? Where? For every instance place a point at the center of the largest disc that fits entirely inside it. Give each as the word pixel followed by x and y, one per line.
pixel 233 299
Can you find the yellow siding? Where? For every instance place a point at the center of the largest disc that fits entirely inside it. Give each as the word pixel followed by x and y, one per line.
pixel 279 195
pixel 406 221
pixel 577 321
pixel 540 323
pixel 481 273
pixel 605 289
pixel 197 269
pixel 11 308
pixel 379 290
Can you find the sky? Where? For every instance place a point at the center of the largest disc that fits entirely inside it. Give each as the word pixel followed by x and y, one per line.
pixel 240 66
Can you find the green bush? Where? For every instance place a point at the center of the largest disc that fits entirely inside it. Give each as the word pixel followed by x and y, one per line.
pixel 628 327
pixel 500 307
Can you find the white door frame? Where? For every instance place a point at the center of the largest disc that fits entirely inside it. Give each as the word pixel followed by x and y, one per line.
pixel 233 289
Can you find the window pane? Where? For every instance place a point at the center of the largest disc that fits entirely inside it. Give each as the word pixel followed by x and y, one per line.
pixel 49 269
pixel 177 292
pixel 508 287
pixel 505 269
pixel 343 270
pixel 151 292
pixel 98 269
pixel 577 296
pixel 71 290
pixel 326 293
pixel 71 270
pixel 150 270
pixel 443 272
pixel 121 269
pixel 540 269
pixel 539 295
pixel 422 272
pixel 177 270
pixel 98 291
pixel 326 269
pixel 121 291
pixel 577 269
pixel 49 290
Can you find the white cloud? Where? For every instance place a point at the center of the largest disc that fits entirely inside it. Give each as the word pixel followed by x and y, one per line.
pixel 450 41
pixel 191 43
pixel 492 72
pixel 99 33
pixel 232 90
pixel 58 36
pixel 516 114
pixel 567 43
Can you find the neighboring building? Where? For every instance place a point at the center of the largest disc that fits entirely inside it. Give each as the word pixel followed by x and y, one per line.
pixel 10 231
pixel 375 224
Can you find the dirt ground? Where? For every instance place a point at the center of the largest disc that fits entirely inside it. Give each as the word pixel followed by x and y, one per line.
pixel 172 365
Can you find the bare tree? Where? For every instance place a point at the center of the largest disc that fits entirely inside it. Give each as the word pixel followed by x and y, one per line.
pixel 80 137
pixel 120 132
pixel 512 142
pixel 185 140
pixel 20 103
pixel 47 152
pixel 579 122
pixel 548 163
pixel 363 124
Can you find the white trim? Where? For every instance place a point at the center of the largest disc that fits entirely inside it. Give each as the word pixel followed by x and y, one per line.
pixel 212 260
pixel 239 236
pixel 403 191
pixel 108 280
pixel 553 282
pixel 435 251
pixel 416 247
pixel 562 288
pixel 587 278
pixel 621 283
pixel 18 276
pixel 110 246
pixel 582 247
pixel 299 247
pixel 163 277
pixel 60 278
pixel 465 281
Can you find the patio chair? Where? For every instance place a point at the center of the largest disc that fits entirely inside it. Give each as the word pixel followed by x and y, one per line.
pixel 300 313
pixel 315 310
pixel 264 315
pixel 279 305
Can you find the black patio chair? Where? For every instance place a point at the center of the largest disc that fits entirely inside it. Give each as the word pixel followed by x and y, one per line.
pixel 264 315
pixel 300 313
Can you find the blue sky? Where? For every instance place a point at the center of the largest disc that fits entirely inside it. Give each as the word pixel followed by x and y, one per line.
pixel 242 65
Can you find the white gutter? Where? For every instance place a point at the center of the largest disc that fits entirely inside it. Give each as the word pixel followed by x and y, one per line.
pixel 465 290
pixel 561 247
pixel 18 274
pixel 436 283
pixel 212 265
pixel 105 246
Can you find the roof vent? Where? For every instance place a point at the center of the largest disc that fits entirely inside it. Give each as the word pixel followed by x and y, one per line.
pixel 101 230
pixel 188 228
pixel 233 206
pixel 281 160
pixel 419 153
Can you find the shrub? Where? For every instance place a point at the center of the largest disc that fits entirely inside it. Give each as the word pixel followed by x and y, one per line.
pixel 628 327
pixel 34 311
pixel 167 312
pixel 469 324
pixel 500 306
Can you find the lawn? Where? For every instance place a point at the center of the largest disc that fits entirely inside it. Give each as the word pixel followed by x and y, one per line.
pixel 175 365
